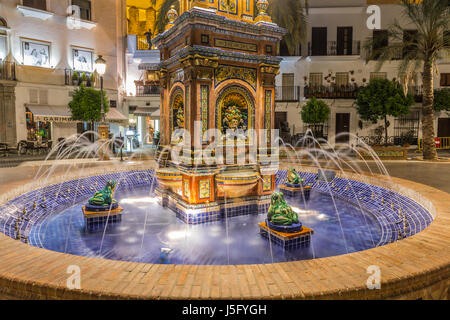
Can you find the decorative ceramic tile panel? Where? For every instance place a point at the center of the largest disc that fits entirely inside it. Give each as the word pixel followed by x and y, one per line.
pixel 235 45
pixel 204 107
pixel 225 72
pixel 204 189
pixel 268 113
pixel 267 183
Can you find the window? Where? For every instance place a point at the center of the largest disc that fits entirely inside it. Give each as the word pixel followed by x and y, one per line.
pixel 344 41
pixel 378 75
pixel 3 40
pixel 85 8
pixel 409 39
pixel 319 41
pixel 445 79
pixel 36 54
pixel 82 60
pixel 37 4
pixel 380 40
pixel 447 38
pixel 341 79
pixel 315 79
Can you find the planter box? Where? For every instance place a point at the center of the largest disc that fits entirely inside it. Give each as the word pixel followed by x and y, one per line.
pixel 386 153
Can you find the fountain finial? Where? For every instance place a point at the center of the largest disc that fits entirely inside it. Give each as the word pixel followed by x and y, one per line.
pixel 172 14
pixel 262 16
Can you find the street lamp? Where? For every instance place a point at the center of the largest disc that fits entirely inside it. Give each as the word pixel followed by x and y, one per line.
pixel 100 66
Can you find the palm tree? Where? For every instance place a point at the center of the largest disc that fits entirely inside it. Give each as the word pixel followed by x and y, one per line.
pixel 291 15
pixel 288 14
pixel 420 50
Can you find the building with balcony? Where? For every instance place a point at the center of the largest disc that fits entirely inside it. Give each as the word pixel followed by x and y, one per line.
pixel 44 46
pixel 331 65
pixel 142 98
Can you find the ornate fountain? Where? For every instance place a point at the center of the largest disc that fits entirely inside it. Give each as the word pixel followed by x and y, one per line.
pixel 217 71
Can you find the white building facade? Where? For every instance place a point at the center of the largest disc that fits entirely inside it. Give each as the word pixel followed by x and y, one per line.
pixel 332 65
pixel 47 47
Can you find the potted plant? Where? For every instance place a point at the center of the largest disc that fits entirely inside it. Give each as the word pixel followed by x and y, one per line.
pixel 156 138
pixel 84 79
pixel 91 80
pixel 75 78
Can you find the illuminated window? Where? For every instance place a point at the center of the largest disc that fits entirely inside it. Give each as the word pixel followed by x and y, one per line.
pixel 36 54
pixel 82 60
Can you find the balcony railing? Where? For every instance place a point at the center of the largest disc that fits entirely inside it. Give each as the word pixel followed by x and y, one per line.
pixel 287 94
pixel 142 43
pixel 332 92
pixel 70 80
pixel 333 50
pixel 7 70
pixel 147 90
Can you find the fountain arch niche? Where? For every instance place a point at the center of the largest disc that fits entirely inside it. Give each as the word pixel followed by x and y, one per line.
pixel 221 61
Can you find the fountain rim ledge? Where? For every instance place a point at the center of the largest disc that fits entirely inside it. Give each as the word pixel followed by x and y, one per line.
pixel 409 267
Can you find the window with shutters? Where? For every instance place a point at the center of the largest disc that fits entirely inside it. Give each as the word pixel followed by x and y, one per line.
pixel 378 75
pixel 85 8
pixel 445 79
pixel 342 79
pixel 37 4
pixel 315 79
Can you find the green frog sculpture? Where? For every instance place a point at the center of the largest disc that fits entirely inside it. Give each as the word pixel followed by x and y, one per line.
pixel 104 197
pixel 280 213
pixel 293 178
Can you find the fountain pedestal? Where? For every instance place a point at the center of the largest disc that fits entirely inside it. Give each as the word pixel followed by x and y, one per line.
pixel 95 216
pixel 286 239
pixel 294 190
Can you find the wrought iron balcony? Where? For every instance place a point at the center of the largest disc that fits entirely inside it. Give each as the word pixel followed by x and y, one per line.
pixel 332 91
pixel 287 94
pixel 7 70
pixel 147 90
pixel 332 49
pixel 74 78
pixel 142 43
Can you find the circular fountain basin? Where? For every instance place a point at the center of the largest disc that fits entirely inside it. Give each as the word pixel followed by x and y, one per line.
pixel 419 258
pixel 235 184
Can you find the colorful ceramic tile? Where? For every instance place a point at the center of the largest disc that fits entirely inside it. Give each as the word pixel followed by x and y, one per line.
pixel 204 106
pixel 204 189
pixel 267 183
pixel 225 72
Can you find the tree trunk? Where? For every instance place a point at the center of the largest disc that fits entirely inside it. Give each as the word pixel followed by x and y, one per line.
pixel 385 131
pixel 429 147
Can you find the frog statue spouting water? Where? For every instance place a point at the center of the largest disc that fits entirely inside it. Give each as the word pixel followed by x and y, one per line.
pixel 104 197
pixel 280 213
pixel 293 177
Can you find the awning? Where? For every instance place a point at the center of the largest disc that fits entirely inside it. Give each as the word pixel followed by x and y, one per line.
pixel 63 114
pixel 145 112
pixel 50 113
pixel 114 115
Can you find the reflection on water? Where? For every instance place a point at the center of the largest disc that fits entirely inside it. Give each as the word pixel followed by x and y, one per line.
pixel 146 228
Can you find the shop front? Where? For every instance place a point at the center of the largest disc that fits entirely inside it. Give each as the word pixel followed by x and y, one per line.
pixel 145 123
